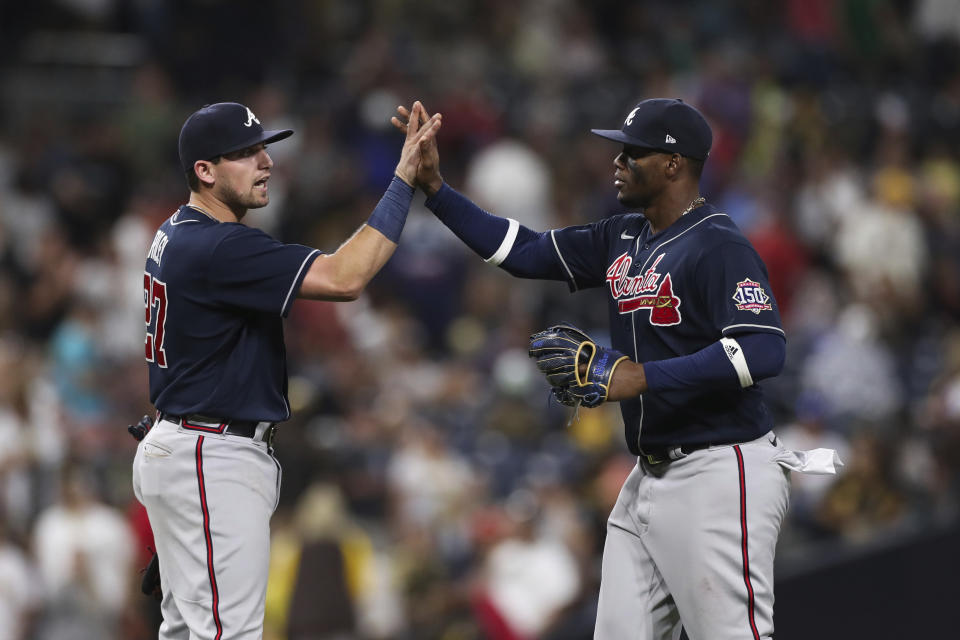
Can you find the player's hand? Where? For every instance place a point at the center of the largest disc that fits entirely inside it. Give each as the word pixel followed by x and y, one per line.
pixel 428 170
pixel 579 370
pixel 420 130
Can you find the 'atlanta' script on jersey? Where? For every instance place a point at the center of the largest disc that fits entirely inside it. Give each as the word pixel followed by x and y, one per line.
pixel 644 291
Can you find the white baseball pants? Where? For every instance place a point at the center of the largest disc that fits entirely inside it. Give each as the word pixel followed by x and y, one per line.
pixel 209 498
pixel 691 543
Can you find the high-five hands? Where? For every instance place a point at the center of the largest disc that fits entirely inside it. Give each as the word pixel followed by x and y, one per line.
pixel 427 173
pixel 420 131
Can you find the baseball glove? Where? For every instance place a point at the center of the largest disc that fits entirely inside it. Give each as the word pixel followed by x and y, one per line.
pixel 139 430
pixel 150 582
pixel 578 370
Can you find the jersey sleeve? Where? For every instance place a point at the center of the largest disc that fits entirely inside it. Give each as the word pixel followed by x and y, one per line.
pixel 737 290
pixel 582 252
pixel 250 270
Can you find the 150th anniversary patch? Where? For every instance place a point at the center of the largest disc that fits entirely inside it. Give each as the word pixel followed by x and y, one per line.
pixel 750 296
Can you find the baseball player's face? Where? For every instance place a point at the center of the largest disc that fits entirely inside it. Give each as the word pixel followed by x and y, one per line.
pixel 241 177
pixel 638 176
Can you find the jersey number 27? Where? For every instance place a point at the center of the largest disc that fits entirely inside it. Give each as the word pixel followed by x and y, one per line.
pixel 155 295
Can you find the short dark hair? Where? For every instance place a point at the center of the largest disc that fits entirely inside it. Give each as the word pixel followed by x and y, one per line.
pixel 696 166
pixel 192 180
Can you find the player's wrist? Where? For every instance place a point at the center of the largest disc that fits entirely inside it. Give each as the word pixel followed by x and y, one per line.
pixel 628 380
pixel 433 186
pixel 390 214
pixel 410 182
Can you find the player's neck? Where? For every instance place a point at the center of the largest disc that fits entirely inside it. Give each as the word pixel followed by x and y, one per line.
pixel 671 207
pixel 213 208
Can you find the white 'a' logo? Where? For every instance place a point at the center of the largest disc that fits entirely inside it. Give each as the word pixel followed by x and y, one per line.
pixel 250 118
pixel 629 120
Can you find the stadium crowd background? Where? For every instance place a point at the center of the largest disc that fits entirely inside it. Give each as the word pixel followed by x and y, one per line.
pixel 430 490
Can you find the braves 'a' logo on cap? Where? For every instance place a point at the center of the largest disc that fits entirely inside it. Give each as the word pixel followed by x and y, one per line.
pixel 750 296
pixel 250 119
pixel 629 119
pixel 637 292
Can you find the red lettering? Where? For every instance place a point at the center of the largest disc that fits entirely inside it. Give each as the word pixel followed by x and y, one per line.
pixel 155 295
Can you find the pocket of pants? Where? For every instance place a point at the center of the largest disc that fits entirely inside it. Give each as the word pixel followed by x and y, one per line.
pixel 153 462
pixel 154 450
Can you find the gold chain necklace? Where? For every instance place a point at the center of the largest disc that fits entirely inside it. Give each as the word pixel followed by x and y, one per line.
pixel 699 200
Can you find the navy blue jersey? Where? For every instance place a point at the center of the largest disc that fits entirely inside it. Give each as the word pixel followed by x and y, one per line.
pixel 215 295
pixel 671 294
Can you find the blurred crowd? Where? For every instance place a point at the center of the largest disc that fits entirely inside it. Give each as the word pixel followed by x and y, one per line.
pixel 430 489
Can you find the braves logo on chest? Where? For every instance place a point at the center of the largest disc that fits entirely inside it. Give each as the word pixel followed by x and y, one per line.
pixel 647 290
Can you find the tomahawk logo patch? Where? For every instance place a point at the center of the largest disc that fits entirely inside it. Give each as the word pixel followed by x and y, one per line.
pixel 750 296
pixel 644 291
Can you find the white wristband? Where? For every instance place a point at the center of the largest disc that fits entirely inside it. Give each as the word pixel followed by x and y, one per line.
pixel 735 353
pixel 501 254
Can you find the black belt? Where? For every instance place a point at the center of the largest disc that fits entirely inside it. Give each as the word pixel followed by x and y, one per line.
pixel 661 454
pixel 242 428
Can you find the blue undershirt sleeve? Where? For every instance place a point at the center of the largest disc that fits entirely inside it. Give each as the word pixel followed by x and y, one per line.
pixel 500 241
pixel 725 364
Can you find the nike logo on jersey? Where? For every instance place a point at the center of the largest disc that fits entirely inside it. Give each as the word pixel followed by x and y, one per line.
pixel 174 221
pixel 626 236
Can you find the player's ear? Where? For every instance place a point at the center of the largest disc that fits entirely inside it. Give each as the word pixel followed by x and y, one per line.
pixel 204 171
pixel 675 164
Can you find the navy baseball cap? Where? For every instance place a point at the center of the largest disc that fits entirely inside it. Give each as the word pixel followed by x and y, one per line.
pixel 220 128
pixel 664 124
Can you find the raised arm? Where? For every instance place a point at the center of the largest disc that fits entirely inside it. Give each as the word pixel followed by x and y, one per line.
pixel 342 275
pixel 503 242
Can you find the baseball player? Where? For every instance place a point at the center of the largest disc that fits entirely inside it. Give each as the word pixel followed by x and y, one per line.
pixel 215 293
pixel 690 543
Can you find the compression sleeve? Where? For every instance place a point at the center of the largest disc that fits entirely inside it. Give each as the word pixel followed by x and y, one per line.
pixel 503 242
pixel 726 364
pixel 390 214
